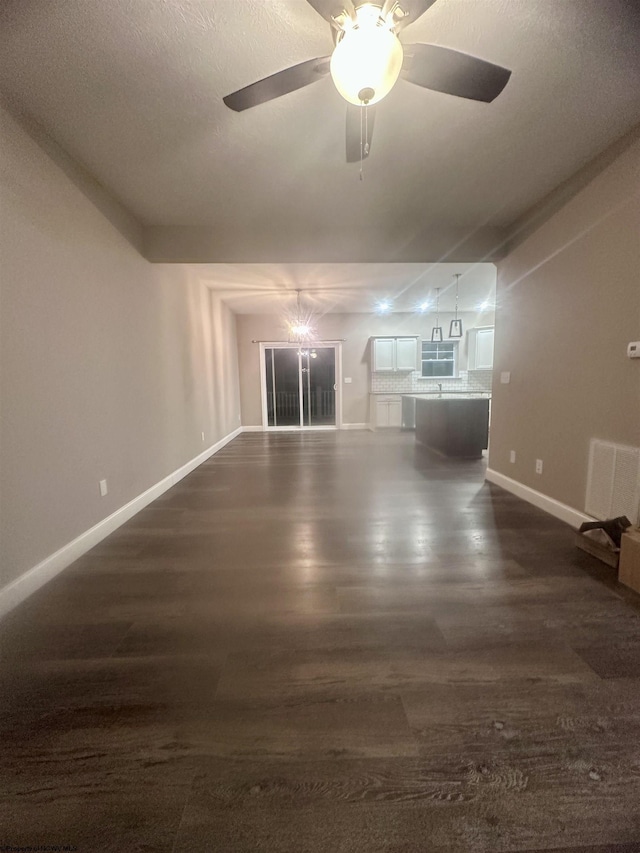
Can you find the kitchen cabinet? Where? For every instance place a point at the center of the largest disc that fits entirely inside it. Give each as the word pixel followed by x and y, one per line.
pixel 481 348
pixel 394 355
pixel 386 410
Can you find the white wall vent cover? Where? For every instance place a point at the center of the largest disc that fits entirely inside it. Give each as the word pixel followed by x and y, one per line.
pixel 613 482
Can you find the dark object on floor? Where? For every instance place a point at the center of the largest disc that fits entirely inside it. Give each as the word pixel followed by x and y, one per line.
pixel 613 527
pixel 598 545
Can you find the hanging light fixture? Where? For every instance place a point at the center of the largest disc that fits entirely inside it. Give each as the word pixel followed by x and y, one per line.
pixel 455 327
pixel 436 332
pixel 300 325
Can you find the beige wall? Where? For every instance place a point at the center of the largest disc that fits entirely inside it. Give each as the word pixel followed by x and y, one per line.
pixel 568 304
pixel 276 241
pixel 355 330
pixel 110 367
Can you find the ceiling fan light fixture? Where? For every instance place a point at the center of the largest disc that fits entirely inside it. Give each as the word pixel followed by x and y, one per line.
pixel 368 58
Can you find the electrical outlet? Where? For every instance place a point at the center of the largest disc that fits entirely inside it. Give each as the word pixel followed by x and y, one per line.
pixel 103 488
pixel 538 466
pixel 505 377
pixel 202 436
pixel 347 380
pixel 512 456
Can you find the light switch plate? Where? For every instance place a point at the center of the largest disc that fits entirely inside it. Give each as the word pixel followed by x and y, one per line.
pixel 103 488
pixel 505 377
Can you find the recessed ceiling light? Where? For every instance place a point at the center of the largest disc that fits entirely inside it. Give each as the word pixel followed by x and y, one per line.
pixel 383 307
pixel 424 307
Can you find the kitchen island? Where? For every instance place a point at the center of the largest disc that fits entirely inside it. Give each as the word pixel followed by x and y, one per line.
pixel 453 424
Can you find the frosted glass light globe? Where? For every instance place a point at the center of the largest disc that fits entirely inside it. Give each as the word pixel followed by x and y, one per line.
pixel 368 57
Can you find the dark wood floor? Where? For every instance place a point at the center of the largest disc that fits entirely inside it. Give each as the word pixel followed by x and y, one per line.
pixel 326 642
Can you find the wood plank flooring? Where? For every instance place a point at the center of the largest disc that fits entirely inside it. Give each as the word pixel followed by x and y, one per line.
pixel 326 642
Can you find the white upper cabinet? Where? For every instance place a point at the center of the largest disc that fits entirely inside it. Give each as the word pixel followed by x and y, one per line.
pixel 481 348
pixel 390 355
pixel 406 354
pixel 384 354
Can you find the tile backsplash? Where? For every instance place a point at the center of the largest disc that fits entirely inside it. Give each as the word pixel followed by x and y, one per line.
pixel 413 383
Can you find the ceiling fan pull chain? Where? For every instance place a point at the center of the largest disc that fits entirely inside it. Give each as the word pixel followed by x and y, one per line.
pixel 366 130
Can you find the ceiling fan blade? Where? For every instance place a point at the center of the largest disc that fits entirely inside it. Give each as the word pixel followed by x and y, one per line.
pixel 278 84
pixel 452 72
pixel 359 128
pixel 412 9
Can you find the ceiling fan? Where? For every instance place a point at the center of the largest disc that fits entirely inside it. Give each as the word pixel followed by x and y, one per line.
pixel 367 60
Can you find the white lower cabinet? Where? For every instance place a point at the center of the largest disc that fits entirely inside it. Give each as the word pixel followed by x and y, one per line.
pixel 386 411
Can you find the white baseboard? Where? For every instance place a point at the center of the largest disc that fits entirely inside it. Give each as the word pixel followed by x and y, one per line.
pixel 562 511
pixel 25 585
pixel 354 426
pixel 253 428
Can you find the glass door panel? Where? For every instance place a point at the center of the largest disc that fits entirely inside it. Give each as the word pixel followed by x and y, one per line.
pixel 283 387
pixel 318 366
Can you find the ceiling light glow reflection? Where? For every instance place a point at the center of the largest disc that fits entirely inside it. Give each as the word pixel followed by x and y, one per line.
pixel 300 330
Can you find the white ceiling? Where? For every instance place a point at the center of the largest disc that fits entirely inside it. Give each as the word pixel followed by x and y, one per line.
pixel 132 89
pixel 349 288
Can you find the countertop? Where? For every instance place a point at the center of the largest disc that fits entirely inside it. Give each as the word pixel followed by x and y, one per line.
pixel 452 396
pixel 419 395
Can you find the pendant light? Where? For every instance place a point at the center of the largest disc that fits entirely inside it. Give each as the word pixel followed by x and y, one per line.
pixel 436 332
pixel 455 327
pixel 300 328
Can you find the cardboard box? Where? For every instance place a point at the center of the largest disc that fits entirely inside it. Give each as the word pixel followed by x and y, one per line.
pixel 629 566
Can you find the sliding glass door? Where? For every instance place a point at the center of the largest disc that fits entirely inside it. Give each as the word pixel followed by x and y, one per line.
pixel 283 387
pixel 300 386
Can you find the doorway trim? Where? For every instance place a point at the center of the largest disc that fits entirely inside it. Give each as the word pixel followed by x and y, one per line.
pixel 337 346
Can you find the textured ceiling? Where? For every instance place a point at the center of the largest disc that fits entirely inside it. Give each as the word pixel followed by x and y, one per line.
pixel 132 89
